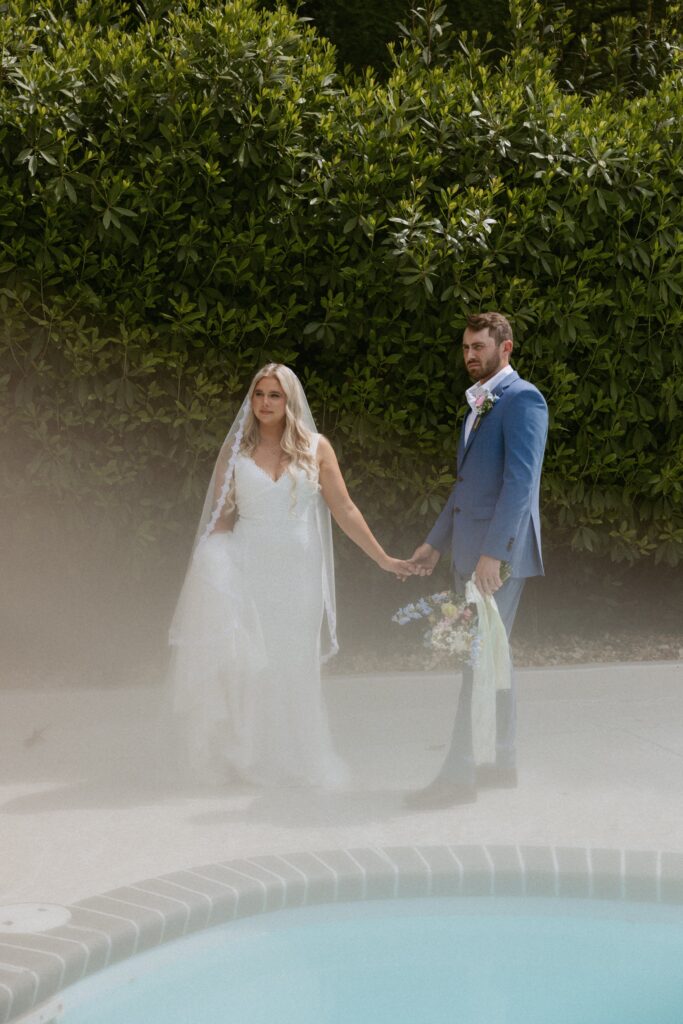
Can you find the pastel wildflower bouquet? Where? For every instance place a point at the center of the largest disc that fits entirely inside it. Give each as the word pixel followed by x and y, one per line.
pixel 453 629
pixel 452 626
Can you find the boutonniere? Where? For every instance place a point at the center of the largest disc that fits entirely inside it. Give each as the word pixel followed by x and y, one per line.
pixel 483 404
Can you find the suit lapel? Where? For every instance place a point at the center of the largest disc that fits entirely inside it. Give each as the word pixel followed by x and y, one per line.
pixel 461 438
pixel 505 383
pixel 498 390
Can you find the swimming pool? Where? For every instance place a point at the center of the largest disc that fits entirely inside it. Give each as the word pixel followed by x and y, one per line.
pixel 474 961
pixel 432 933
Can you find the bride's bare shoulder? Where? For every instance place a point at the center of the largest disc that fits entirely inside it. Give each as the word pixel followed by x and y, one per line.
pixel 325 454
pixel 322 444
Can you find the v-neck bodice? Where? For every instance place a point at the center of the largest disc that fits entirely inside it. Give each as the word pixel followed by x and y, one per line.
pixel 260 498
pixel 273 479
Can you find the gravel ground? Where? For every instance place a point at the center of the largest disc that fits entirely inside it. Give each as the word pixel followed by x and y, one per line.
pixel 572 650
pixel 566 649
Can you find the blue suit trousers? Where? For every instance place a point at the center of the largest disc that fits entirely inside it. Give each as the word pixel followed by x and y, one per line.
pixel 459 766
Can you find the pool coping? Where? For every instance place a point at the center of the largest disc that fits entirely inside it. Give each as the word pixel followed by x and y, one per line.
pixel 35 967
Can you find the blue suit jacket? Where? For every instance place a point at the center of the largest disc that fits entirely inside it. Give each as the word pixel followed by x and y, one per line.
pixel 493 507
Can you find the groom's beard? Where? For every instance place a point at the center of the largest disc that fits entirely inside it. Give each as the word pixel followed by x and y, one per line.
pixel 487 368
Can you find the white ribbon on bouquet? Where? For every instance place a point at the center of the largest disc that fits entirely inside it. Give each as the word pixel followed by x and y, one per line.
pixel 492 672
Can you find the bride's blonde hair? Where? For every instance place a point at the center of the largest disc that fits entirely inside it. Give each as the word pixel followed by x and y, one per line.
pixel 296 439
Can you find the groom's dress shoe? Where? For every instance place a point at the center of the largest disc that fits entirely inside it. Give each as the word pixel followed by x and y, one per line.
pixel 491 776
pixel 440 793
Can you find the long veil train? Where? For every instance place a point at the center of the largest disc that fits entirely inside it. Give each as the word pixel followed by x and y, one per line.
pixel 255 618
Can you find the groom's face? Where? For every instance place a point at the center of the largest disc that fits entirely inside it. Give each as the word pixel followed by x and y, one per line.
pixel 483 358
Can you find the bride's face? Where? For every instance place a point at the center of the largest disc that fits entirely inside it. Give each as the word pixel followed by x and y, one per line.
pixel 269 402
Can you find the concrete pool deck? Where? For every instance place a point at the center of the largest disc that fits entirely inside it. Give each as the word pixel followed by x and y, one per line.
pixel 90 799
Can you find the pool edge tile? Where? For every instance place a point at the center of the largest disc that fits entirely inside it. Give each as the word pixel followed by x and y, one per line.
pixel 115 925
pixel 446 870
pixel 573 871
pixel 671 877
pixel 640 876
pixel 540 871
pixel 607 873
pixel 477 869
pixel 508 870
pixel 413 874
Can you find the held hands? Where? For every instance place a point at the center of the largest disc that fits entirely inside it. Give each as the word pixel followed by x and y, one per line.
pixel 424 560
pixel 400 567
pixel 422 563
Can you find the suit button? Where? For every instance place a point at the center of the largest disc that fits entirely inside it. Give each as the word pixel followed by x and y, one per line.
pixel 460 479
pixel 456 509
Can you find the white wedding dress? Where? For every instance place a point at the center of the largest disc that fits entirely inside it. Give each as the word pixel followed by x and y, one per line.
pixel 246 667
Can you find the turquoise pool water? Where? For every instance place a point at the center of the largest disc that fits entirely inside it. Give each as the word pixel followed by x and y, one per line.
pixel 447 961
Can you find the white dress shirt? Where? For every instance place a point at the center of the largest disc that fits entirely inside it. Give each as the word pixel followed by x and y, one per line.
pixel 482 389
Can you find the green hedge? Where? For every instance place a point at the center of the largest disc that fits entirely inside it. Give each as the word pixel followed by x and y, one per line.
pixel 598 43
pixel 187 195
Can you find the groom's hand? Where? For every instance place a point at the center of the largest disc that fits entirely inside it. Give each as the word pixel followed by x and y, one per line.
pixel 424 559
pixel 487 574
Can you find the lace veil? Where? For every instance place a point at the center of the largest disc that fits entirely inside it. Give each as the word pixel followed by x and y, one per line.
pixel 221 486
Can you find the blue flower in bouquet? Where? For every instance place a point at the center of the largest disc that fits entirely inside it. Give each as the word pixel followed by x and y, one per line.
pixel 452 624
pixel 412 612
pixel 402 617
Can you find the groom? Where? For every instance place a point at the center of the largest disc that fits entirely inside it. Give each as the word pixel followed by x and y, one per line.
pixel 490 517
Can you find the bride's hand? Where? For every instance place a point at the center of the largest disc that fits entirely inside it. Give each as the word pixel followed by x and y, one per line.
pixel 225 524
pixel 401 568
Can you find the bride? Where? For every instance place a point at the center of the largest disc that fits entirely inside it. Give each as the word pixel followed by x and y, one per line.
pixel 259 592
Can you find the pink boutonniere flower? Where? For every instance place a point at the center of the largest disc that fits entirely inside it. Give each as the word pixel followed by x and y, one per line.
pixel 482 405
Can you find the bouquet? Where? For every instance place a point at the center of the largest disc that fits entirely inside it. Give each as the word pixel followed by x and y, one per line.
pixel 453 633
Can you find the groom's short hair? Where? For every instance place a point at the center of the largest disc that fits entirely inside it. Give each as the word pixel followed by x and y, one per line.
pixel 496 324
